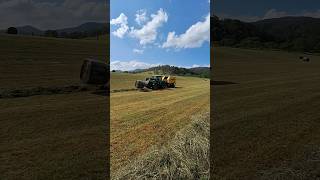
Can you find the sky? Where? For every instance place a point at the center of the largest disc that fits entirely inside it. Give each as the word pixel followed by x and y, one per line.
pixel 253 10
pixel 147 33
pixel 51 14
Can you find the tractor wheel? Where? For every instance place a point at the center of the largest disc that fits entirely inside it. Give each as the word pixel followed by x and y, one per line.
pixel 154 87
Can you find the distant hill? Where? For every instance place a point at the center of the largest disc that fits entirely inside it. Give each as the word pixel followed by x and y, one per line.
pixel 287 33
pixel 203 72
pixel 84 30
pixel 28 30
pixel 87 27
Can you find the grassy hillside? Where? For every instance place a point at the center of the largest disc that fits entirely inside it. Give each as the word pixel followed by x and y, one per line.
pixel 141 120
pixel 286 33
pixel 266 125
pixel 28 61
pixel 58 136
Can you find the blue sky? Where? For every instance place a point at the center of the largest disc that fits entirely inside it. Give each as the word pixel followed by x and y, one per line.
pixel 146 33
pixel 253 10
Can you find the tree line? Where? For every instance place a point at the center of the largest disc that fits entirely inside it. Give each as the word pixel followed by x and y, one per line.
pixel 203 72
pixel 288 33
pixel 71 35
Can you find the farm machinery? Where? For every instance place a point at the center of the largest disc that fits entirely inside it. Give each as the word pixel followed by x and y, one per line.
pixel 156 82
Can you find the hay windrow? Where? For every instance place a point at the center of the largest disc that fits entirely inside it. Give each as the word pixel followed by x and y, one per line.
pixel 185 157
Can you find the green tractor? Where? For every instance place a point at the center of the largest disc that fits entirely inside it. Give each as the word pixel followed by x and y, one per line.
pixel 154 83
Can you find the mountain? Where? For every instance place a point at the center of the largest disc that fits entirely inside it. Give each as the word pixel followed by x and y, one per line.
pixel 87 27
pixel 29 30
pixel 286 33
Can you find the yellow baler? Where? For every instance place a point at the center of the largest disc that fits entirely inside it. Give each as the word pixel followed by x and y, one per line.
pixel 170 81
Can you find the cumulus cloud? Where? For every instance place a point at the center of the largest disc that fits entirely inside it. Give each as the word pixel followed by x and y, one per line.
pixel 194 37
pixel 130 65
pixel 274 13
pixel 47 14
pixel 141 16
pixel 121 21
pixel 138 51
pixel 148 33
pixel 197 65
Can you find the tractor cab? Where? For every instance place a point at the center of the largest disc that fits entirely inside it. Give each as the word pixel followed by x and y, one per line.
pixel 157 77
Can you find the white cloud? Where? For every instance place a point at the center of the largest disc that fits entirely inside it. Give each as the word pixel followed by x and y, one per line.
pixel 130 65
pixel 315 14
pixel 141 16
pixel 138 51
pixel 194 37
pixel 273 13
pixel 122 20
pixel 197 65
pixel 148 33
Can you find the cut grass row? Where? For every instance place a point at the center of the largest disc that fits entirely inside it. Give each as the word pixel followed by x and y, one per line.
pixel 186 156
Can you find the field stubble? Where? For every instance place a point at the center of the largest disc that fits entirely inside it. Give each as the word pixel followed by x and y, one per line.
pixel 141 120
pixel 50 126
pixel 267 124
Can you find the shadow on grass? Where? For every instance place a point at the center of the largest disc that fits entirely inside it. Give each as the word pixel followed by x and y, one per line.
pixel 33 91
pixel 221 83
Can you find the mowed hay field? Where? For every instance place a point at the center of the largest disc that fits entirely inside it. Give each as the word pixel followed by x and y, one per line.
pixel 141 120
pixel 28 61
pixel 57 136
pixel 267 124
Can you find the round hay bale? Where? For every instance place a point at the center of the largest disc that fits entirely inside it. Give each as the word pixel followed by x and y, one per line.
pixel 94 72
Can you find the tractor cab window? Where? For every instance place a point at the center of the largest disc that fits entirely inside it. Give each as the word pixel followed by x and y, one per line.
pixel 157 77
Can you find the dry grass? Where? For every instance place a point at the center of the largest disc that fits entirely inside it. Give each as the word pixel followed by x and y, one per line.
pixel 28 61
pixel 184 157
pixel 264 123
pixel 141 120
pixel 51 129
pixel 121 81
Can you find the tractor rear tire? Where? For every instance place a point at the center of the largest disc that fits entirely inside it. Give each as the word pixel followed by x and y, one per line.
pixel 139 84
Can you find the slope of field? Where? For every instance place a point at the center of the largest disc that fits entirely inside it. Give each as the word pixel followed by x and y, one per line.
pixel 140 120
pixel 56 136
pixel 28 61
pixel 266 115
